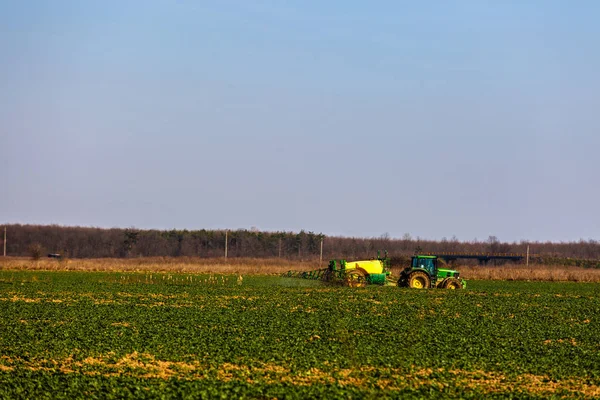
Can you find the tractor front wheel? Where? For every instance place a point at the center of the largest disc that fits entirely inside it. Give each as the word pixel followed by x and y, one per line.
pixel 419 280
pixel 452 283
pixel 355 278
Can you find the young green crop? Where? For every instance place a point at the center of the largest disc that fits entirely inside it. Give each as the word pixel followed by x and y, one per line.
pixel 110 335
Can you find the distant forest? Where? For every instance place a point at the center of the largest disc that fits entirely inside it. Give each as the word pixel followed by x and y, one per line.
pixel 84 242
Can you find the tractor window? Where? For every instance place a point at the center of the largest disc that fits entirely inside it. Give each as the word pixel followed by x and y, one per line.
pixel 425 263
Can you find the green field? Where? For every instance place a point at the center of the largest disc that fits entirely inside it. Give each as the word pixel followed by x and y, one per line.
pixel 103 335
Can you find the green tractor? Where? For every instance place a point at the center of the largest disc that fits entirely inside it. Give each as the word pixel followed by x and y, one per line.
pixel 424 274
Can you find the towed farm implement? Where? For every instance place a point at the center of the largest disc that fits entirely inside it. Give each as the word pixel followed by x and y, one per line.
pixel 423 273
pixel 350 273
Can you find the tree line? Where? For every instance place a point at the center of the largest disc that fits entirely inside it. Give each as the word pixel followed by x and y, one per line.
pixel 89 242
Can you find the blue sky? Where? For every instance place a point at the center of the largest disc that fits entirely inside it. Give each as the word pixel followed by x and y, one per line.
pixel 467 118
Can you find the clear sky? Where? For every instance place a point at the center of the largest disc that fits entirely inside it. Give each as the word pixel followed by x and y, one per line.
pixel 436 118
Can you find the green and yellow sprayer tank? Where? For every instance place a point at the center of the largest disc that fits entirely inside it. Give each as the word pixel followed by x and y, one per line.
pixel 359 273
pixel 423 273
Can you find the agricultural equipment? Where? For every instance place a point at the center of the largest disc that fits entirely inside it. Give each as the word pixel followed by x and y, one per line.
pixel 359 273
pixel 424 273
pixel 351 273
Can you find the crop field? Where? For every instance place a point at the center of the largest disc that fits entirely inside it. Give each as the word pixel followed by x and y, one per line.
pixel 66 334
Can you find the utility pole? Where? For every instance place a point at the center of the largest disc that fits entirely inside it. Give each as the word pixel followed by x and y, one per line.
pixel 528 255
pixel 5 241
pixel 226 231
pixel 279 247
pixel 321 255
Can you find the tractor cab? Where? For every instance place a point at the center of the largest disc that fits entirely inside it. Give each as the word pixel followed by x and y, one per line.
pixel 427 263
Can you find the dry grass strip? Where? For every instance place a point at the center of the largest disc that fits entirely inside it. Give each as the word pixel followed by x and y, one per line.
pixel 275 266
pixel 246 266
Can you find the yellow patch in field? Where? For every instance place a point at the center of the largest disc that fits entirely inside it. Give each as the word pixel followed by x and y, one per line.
pixel 302 309
pixel 104 301
pixel 143 365
pixel 570 341
pixel 16 298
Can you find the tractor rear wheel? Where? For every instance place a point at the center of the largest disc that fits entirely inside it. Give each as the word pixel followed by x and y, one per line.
pixel 452 283
pixel 355 278
pixel 419 280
